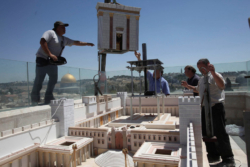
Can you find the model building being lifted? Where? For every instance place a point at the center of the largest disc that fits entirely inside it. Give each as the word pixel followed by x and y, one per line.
pixel 118 28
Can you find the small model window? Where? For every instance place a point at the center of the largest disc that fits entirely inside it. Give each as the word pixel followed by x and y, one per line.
pixel 82 133
pixel 154 137
pixel 98 134
pixel 149 137
pixel 139 144
pixel 102 134
pixel 175 139
pixel 102 141
pixel 144 137
pixel 79 133
pixel 135 144
pixel 139 136
pixel 90 134
pixel 72 132
pixel 134 136
pixel 159 137
pixel 109 138
pixel 170 138
pixel 164 138
pixel 75 133
pixel 87 133
pixel 128 140
pixel 98 141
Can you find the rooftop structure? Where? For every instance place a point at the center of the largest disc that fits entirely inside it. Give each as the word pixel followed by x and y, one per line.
pixel 118 28
pixel 165 153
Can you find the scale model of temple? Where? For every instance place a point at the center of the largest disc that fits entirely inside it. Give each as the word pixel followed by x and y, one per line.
pixel 118 28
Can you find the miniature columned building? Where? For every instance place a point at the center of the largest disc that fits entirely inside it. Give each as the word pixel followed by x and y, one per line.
pixel 118 28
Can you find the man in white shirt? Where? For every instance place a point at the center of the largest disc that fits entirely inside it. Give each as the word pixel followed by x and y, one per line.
pixel 52 44
pixel 217 97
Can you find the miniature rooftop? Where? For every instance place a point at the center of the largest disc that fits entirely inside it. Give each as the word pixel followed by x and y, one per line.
pixel 118 7
pixel 165 153
pixel 65 144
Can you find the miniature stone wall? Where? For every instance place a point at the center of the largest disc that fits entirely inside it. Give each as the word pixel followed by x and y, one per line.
pixel 123 96
pixel 190 112
pixel 45 132
pixel 79 112
pixel 25 116
pixel 173 110
pixel 191 150
pixel 63 111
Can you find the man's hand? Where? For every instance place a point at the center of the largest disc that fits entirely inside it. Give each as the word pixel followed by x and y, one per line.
pixel 218 80
pixel 184 83
pixel 53 57
pixel 138 55
pixel 211 68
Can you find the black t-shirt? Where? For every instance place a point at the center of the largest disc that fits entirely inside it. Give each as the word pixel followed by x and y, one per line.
pixel 193 82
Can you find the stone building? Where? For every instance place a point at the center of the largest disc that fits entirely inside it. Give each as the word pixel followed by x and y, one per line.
pixel 118 28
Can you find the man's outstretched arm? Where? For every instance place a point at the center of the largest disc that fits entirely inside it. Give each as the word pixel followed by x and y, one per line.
pixel 185 84
pixel 79 43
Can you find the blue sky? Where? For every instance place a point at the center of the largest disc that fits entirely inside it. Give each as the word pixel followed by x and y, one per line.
pixel 178 32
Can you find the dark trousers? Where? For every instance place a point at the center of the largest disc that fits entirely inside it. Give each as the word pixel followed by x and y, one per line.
pixel 41 72
pixel 222 147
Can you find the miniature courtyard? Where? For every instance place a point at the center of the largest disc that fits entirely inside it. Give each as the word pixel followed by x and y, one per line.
pixel 145 121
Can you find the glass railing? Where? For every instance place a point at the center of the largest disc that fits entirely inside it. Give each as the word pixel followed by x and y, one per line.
pixel 14 90
pixel 248 73
pixel 17 80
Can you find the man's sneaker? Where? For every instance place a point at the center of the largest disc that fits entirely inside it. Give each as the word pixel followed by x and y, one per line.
pixel 226 164
pixel 213 159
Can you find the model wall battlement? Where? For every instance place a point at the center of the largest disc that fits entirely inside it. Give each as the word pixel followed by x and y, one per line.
pixel 107 98
pixel 100 99
pixel 62 102
pixel 89 99
pixel 25 128
pixel 189 100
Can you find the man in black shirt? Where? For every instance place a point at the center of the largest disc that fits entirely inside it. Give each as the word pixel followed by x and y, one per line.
pixel 193 78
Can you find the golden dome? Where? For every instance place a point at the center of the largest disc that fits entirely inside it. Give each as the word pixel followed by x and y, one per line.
pixel 68 78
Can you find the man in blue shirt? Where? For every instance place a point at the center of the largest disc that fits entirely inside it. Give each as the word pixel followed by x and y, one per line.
pixel 193 78
pixel 159 79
